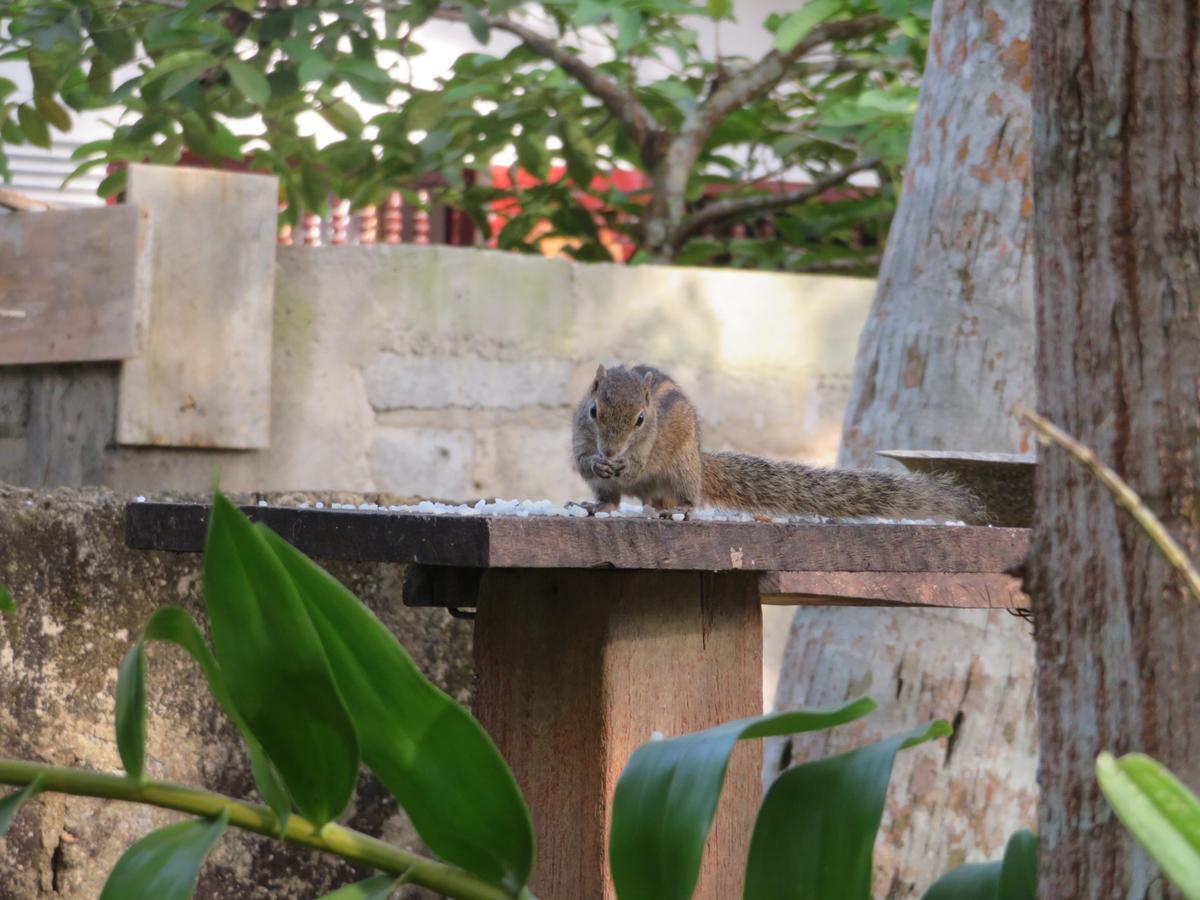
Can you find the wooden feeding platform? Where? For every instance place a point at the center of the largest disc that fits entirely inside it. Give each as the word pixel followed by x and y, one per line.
pixel 592 634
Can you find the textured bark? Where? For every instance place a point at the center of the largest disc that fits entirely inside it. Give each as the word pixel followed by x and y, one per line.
pixel 946 351
pixel 1117 130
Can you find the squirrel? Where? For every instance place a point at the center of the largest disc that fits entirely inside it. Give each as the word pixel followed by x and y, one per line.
pixel 636 433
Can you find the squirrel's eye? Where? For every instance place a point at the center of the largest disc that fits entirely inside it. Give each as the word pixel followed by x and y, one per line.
pixel 641 420
pixel 592 411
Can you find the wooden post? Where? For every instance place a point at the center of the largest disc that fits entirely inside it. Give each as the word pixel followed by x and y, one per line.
pixel 577 668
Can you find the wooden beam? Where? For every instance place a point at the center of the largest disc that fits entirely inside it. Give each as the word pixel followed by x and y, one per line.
pixel 204 379
pixel 962 590
pixel 577 669
pixel 73 285
pixel 561 543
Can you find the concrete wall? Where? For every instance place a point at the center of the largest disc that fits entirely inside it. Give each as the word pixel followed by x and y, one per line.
pixel 83 597
pixel 452 373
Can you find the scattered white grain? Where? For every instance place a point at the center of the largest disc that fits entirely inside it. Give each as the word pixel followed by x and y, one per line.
pixel 677 517
pixel 141 499
pixel 262 502
pixel 657 736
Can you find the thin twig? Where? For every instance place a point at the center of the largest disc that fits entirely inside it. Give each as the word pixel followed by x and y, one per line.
pixel 760 203
pixel 1125 496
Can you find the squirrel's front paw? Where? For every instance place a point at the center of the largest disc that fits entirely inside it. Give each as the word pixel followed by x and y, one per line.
pixel 604 467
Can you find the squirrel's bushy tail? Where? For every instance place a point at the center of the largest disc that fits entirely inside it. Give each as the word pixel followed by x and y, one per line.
pixel 752 484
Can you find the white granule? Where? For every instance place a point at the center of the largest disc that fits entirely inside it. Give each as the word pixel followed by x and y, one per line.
pixel 525 509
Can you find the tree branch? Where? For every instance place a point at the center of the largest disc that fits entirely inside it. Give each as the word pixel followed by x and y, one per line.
pixel 623 105
pixel 760 203
pixel 671 176
pixel 331 837
pixel 750 84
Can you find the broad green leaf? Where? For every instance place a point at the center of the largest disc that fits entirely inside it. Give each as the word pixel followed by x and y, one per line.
pixel 34 126
pixel 667 796
pixel 480 29
pixel 173 625
pixel 7 604
pixel 53 113
pixel 181 59
pixel 113 183
pixel 131 710
pixel 1160 811
pixel 1013 878
pixel 629 28
pixel 252 83
pixel 720 9
pixel 275 667
pixel 436 760
pixel 378 888
pixel 816 827
pixel 165 864
pixel 797 25
pixel 179 79
pixel 10 804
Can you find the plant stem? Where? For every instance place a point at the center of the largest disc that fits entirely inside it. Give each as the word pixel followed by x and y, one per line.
pixel 331 837
pixel 1122 492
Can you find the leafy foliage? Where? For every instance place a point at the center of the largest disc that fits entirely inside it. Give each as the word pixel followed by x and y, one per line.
pixel 1159 811
pixel 815 833
pixel 165 864
pixel 667 796
pixel 1012 878
pixel 590 88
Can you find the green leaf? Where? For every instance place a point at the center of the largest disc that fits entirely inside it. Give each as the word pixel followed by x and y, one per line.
pixel 666 798
pixel 252 83
pixel 272 660
pixel 629 28
pixel 165 864
pixel 816 827
pixel 113 183
pixel 173 625
pixel 7 604
pixel 427 750
pixel 181 59
pixel 1160 811
pixel 1013 878
pixel 179 79
pixel 796 25
pixel 720 9
pixel 53 113
pixel 131 711
pixel 33 126
pixel 10 804
pixel 6 87
pixel 480 29
pixel 378 888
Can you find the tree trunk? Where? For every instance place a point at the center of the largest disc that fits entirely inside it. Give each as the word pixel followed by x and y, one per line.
pixel 947 349
pixel 1118 311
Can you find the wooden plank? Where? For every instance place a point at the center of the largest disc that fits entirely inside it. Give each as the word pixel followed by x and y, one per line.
pixel 544 542
pixel 577 669
pixel 963 590
pixel 73 285
pixel 729 546
pixel 323 534
pixel 205 377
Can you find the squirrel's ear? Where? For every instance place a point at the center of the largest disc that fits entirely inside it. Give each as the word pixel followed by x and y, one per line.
pixel 647 383
pixel 599 378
